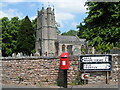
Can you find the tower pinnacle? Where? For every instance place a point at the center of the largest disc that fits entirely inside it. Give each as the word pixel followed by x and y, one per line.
pixel 42 6
pixel 48 4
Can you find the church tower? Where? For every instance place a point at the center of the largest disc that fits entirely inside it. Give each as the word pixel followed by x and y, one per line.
pixel 46 34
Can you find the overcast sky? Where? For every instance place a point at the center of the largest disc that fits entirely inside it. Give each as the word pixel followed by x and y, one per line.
pixel 68 13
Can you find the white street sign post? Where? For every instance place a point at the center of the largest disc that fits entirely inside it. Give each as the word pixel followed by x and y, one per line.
pixel 95 62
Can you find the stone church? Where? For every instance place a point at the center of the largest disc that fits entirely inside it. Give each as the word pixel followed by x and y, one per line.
pixel 48 42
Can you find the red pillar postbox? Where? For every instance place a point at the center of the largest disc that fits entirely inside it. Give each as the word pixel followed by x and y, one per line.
pixel 64 61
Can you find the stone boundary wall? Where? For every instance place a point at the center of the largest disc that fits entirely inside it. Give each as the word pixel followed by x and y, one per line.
pixel 45 71
pixel 35 70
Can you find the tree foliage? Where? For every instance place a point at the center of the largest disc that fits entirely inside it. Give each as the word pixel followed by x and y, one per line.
pixel 14 30
pixel 70 33
pixel 34 24
pixel 26 39
pixel 9 35
pixel 5 36
pixel 101 26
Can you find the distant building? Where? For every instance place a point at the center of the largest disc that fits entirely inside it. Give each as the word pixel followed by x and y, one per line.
pixel 48 42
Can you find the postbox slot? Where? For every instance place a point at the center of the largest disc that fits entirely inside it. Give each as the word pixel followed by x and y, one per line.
pixel 63 57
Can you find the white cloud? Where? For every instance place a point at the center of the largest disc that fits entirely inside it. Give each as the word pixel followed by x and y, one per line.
pixel 72 7
pixel 2 14
pixel 74 24
pixel 66 10
pixel 41 0
pixel 60 24
pixel 31 5
pixel 32 18
pixel 10 13
pixel 64 16
pixel 12 1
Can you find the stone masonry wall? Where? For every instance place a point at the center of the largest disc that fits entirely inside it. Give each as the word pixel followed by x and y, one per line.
pixel 30 71
pixel 45 71
pixel 35 70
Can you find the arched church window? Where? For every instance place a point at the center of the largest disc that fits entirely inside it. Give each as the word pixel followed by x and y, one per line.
pixel 39 40
pixel 46 53
pixel 63 48
pixel 82 46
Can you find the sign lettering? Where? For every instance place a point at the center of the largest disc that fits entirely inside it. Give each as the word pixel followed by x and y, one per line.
pixel 95 59
pixel 96 66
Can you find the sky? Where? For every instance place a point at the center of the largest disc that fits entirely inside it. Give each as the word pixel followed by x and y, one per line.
pixel 68 13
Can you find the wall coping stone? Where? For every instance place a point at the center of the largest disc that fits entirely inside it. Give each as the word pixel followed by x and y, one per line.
pixel 44 57
pixel 29 57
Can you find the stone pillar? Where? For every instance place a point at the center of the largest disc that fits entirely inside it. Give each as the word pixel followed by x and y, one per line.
pixel 93 50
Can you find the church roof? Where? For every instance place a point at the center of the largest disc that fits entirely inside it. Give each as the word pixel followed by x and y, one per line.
pixel 70 39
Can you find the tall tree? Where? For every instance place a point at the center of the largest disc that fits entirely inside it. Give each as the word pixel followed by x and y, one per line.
pixel 26 40
pixel 6 50
pixel 101 26
pixel 0 38
pixel 14 28
pixel 9 35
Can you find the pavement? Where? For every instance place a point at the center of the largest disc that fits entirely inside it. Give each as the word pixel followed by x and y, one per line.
pixel 69 86
pixel 96 86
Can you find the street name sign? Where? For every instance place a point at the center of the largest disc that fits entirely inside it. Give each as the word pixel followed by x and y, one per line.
pixel 95 59
pixel 96 63
pixel 97 66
